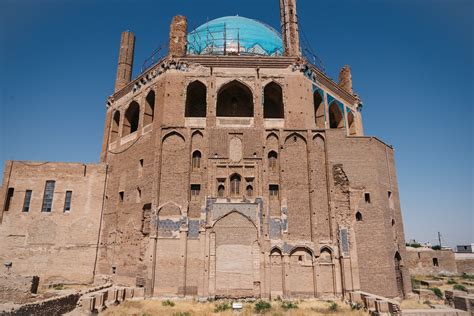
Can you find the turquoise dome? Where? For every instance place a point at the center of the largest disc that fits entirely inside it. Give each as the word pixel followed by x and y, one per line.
pixel 234 35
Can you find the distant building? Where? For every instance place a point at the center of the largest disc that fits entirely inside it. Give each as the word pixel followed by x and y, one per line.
pixel 465 248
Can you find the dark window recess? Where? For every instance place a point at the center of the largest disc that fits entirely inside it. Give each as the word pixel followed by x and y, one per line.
pixel 121 195
pixel 141 163
pixel 114 270
pixel 235 184
pixel 274 190
pixel 196 161
pixel 435 262
pixel 48 196
pixel 26 202
pixel 367 197
pixel 6 206
pixel 359 216
pixel 195 190
pixel 67 201
pixel 272 160
pixel 249 190
pixel 221 191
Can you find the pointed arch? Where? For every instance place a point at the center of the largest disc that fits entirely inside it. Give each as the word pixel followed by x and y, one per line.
pixel 196 99
pixel 272 134
pixel 336 119
pixel 196 160
pixel 233 212
pixel 196 133
pixel 295 137
pixel 318 103
pixel 273 107
pixel 275 250
pixel 235 99
pixel 169 209
pixel 149 114
pixel 173 133
pixel 272 160
pixel 399 274
pixel 358 217
pixel 131 119
pixel 235 183
pixel 114 133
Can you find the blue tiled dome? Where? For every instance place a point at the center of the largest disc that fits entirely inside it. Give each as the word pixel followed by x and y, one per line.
pixel 233 34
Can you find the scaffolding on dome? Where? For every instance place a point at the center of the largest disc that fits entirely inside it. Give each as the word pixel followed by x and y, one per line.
pixel 220 39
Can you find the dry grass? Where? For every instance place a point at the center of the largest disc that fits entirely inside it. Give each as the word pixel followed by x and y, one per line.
pixel 155 308
pixel 414 304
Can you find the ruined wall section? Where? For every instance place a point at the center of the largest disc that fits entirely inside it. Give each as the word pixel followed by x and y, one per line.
pixel 368 165
pixel 48 244
pixel 423 261
pixel 131 193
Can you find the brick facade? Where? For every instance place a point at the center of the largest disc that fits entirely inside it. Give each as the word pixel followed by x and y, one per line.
pixel 235 205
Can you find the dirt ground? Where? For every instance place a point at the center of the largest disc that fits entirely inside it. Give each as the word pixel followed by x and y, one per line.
pixel 188 308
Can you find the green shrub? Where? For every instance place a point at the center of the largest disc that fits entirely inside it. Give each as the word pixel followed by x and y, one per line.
pixel 437 292
pixel 467 276
pixel 58 287
pixel 286 305
pixel 452 281
pixel 459 287
pixel 427 302
pixel 167 303
pixel 333 307
pixel 437 247
pixel 262 306
pixel 221 307
pixel 414 245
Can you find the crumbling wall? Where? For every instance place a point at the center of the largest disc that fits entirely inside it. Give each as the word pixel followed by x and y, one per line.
pixel 58 246
pixel 17 289
pixel 422 261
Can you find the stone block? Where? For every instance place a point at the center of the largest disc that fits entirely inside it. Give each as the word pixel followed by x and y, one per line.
pixel 139 292
pixel 382 306
pixel 129 293
pixel 112 296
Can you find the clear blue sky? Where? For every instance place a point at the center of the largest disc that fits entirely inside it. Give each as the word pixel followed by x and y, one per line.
pixel 412 63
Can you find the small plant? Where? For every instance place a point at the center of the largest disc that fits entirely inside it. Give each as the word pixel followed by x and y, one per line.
pixel 333 307
pixel 437 292
pixel 467 276
pixel 167 303
pixel 58 287
pixel 452 281
pixel 262 306
pixel 459 287
pixel 414 245
pixel 427 302
pixel 286 305
pixel 415 283
pixel 437 247
pixel 221 307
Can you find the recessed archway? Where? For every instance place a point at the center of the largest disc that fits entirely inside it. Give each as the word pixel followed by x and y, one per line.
pixel 273 101
pixel 132 118
pixel 336 119
pixel 196 100
pixel 235 100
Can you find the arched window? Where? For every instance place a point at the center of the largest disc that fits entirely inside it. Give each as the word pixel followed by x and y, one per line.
pixel 221 191
pixel 273 101
pixel 115 127
pixel 235 100
pixel 149 108
pixel 318 110
pixel 249 190
pixel 351 123
pixel 235 184
pixel 335 116
pixel 196 160
pixel 359 216
pixel 272 160
pixel 399 274
pixel 196 100
pixel 132 117
pixel 325 255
